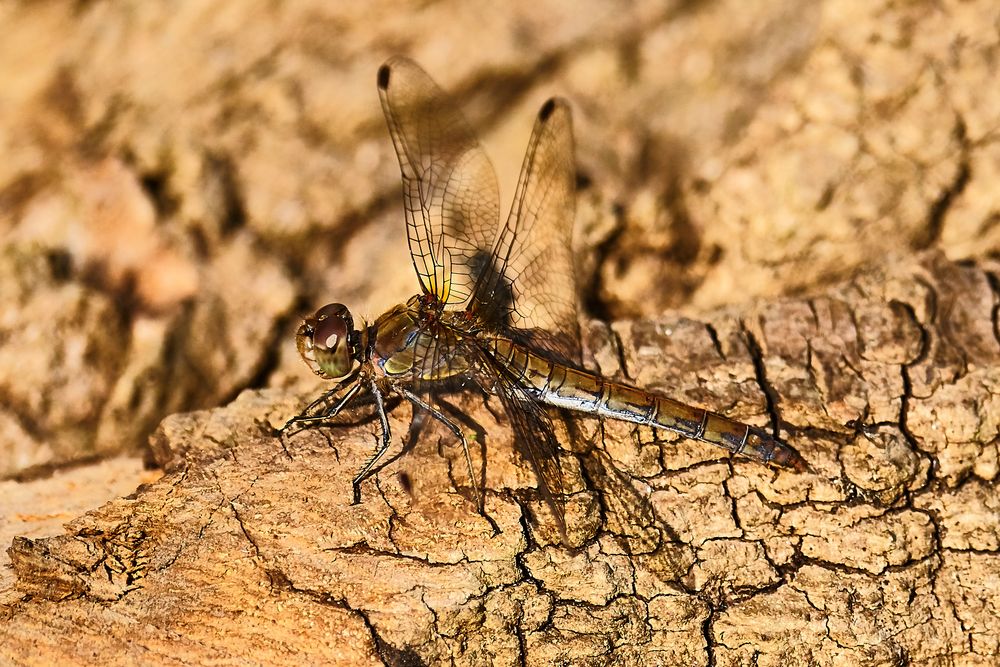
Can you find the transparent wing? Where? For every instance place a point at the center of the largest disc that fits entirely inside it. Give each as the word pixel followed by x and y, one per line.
pixel 529 283
pixel 534 437
pixel 535 440
pixel 450 192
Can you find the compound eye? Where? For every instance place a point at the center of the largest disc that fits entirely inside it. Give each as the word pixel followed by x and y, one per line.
pixel 333 324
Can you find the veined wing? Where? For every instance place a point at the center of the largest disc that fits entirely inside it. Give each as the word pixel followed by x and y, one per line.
pixel 450 192
pixel 534 438
pixel 530 281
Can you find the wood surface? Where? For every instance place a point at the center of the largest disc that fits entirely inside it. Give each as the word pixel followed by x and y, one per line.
pixel 787 213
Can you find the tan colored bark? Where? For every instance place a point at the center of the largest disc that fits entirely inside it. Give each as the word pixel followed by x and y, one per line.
pixel 680 554
pixel 787 212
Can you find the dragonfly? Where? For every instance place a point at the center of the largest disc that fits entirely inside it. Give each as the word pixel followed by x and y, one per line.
pixel 497 306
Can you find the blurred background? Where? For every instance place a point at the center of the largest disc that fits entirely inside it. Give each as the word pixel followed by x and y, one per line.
pixel 182 181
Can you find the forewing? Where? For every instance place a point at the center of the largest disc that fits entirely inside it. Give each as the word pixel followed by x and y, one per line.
pixel 450 193
pixel 530 282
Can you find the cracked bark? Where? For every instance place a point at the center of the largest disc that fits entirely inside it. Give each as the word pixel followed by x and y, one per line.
pixel 161 224
pixel 887 384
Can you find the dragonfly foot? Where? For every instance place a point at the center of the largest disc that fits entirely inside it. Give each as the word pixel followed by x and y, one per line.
pixel 284 447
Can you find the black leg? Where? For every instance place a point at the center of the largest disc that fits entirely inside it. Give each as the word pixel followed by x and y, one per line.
pixel 412 436
pixel 304 418
pixel 386 438
pixel 454 428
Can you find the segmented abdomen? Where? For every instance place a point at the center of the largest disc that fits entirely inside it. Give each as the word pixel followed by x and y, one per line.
pixel 558 385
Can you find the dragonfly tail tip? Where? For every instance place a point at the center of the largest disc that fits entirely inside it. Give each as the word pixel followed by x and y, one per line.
pixel 800 465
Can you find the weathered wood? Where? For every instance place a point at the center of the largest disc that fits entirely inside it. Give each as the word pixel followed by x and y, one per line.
pixel 242 553
pixel 179 178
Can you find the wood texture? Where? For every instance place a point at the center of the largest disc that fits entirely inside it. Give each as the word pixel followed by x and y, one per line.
pixel 240 553
pixel 787 212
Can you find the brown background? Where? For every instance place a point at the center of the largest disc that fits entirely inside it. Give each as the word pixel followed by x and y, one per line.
pixel 787 212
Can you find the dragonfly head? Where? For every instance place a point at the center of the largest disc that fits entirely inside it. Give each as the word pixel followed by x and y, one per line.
pixel 329 343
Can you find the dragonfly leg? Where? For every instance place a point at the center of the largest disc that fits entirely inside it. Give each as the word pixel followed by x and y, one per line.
pixel 385 437
pixel 304 418
pixel 454 428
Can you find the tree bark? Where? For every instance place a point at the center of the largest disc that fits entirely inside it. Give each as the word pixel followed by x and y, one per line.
pixel 786 212
pixel 885 554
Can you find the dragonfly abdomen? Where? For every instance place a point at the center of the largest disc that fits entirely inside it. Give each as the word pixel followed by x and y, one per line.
pixel 569 388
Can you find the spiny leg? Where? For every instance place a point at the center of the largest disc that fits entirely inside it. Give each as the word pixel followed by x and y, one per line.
pixel 328 414
pixel 412 436
pixel 304 418
pixel 383 445
pixel 454 428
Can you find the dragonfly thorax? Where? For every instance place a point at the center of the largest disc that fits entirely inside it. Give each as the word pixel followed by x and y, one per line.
pixel 329 343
